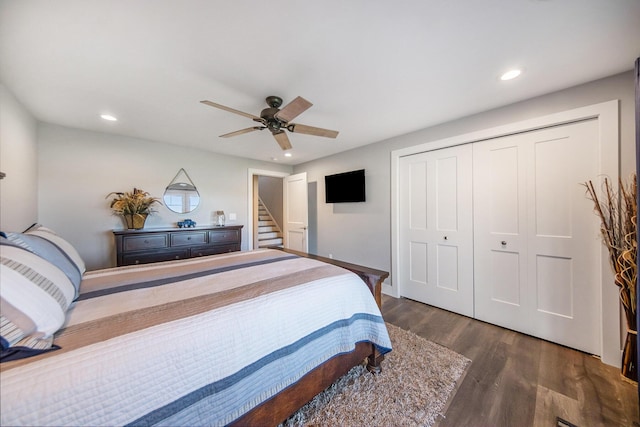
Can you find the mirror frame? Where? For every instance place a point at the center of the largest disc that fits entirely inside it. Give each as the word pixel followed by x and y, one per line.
pixel 181 189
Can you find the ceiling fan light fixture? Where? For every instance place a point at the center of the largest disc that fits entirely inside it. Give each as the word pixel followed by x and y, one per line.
pixel 510 75
pixel 278 120
pixel 288 154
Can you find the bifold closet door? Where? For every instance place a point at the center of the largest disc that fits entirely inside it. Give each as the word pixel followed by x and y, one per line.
pixel 536 238
pixel 436 228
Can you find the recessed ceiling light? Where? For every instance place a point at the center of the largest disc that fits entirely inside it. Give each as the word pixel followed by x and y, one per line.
pixel 511 74
pixel 109 117
pixel 287 154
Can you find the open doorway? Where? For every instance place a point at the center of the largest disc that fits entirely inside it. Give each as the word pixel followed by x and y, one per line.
pixel 267 215
pixel 294 207
pixel 265 182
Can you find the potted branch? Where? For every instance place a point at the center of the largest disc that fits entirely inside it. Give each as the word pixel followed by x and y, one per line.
pixel 618 211
pixel 134 207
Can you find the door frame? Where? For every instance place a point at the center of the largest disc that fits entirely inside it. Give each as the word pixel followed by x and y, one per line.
pixel 250 175
pixel 607 114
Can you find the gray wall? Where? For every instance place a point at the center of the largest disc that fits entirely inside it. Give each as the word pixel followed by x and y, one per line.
pixel 361 232
pixel 18 159
pixel 79 168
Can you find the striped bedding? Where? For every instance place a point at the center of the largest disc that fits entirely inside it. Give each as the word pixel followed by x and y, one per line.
pixel 192 342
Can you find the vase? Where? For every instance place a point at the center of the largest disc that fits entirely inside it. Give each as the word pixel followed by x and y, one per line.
pixel 135 221
pixel 629 369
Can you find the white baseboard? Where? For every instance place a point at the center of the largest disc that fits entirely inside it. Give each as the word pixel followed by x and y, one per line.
pixel 387 289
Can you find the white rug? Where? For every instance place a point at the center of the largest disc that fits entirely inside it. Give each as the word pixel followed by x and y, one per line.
pixel 417 379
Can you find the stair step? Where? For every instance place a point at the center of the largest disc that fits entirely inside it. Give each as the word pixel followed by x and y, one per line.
pixel 270 242
pixel 268 236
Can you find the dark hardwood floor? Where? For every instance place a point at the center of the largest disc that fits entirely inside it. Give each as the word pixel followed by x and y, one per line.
pixel 518 380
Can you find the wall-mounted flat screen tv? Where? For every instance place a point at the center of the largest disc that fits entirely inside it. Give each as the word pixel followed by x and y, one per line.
pixel 345 187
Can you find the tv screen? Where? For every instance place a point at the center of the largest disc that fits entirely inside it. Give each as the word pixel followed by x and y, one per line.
pixel 345 187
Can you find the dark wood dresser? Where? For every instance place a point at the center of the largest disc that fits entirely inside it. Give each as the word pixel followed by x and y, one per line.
pixel 164 244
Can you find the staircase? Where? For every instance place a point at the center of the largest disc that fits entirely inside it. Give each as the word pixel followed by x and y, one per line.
pixel 269 233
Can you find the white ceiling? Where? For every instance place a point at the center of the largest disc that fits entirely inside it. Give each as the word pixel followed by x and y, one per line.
pixel 373 69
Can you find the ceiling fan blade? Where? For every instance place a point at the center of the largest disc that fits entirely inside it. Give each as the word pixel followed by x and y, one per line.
pixel 231 110
pixel 283 140
pixel 310 130
pixel 241 131
pixel 293 109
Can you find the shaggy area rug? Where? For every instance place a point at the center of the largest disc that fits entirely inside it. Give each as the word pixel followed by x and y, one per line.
pixel 416 382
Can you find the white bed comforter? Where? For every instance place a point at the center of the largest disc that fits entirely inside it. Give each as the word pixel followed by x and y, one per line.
pixel 194 342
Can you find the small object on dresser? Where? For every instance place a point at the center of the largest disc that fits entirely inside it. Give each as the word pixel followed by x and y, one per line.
pixel 186 223
pixel 219 218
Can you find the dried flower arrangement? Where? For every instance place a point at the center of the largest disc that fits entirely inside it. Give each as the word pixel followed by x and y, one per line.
pixel 618 211
pixel 134 206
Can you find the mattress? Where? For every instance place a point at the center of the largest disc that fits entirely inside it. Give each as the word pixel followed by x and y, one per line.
pixel 192 342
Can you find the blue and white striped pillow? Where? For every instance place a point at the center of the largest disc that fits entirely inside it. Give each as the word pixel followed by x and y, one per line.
pixel 34 298
pixel 49 251
pixel 62 244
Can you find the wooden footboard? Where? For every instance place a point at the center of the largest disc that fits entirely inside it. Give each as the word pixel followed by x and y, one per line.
pixel 288 401
pixel 285 403
pixel 372 277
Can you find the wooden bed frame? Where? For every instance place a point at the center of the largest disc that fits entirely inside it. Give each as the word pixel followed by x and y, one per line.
pixel 284 404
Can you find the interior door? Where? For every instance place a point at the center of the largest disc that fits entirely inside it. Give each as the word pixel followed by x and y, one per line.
pixel 436 228
pixel 296 216
pixel 536 242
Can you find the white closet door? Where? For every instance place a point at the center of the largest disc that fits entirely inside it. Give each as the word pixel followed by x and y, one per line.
pixel 436 228
pixel 500 231
pixel 536 241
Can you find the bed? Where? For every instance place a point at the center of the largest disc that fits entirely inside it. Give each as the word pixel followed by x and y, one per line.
pixel 242 338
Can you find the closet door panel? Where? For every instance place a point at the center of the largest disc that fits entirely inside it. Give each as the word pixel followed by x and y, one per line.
pixel 500 212
pixel 505 271
pixel 436 229
pixel 536 242
pixel 563 246
pixel 501 184
pixel 417 275
pixel 419 261
pixel 554 286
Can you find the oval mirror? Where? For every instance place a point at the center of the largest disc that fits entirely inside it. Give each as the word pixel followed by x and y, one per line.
pixel 181 196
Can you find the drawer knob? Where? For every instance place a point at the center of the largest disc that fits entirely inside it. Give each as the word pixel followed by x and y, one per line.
pixel 445 238
pixel 503 243
pixel 146 241
pixel 189 238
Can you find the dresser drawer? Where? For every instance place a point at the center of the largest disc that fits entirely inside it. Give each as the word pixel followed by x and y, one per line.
pixel 224 236
pixel 214 250
pixel 147 257
pixel 188 239
pixel 149 241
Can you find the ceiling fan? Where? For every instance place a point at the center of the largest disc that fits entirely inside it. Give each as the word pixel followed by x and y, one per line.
pixel 278 120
